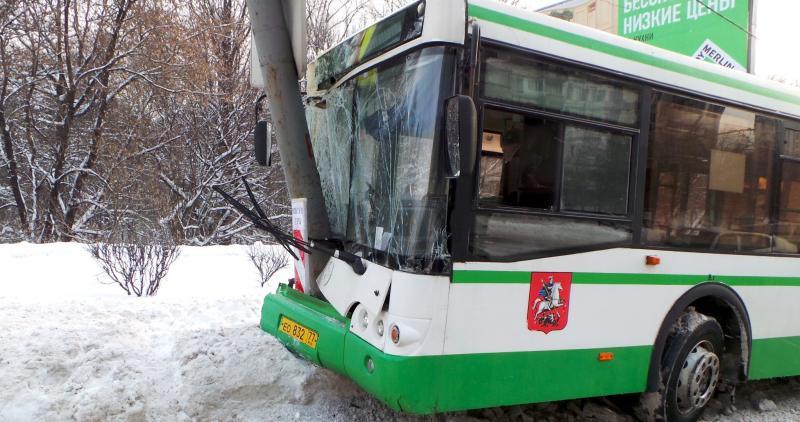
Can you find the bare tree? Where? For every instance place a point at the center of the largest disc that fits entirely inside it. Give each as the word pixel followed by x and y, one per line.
pixel 379 9
pixel 331 21
pixel 215 140
pixel 137 269
pixel 65 64
pixel 136 256
pixel 7 90
pixel 112 115
pixel 268 260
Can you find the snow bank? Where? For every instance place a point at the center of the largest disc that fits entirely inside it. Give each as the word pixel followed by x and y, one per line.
pixel 74 347
pixel 133 359
pixel 67 270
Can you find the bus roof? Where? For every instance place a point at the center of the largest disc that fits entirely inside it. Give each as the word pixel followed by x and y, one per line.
pixel 555 37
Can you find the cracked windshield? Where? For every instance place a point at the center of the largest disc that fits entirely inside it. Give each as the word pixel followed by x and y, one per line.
pixel 377 149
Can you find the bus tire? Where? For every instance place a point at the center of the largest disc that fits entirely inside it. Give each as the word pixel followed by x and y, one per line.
pixel 690 370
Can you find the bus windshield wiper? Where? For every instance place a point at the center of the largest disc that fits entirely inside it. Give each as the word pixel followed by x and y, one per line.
pixel 285 238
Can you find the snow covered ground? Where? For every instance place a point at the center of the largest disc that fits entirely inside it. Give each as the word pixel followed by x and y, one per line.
pixel 75 348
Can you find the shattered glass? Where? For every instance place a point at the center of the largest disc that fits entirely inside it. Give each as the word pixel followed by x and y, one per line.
pixel 330 123
pixel 379 156
pixel 399 28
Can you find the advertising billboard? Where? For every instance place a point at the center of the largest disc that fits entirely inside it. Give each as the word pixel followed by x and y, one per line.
pixel 711 30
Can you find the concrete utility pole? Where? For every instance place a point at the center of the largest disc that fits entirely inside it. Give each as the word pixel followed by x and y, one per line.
pixel 274 45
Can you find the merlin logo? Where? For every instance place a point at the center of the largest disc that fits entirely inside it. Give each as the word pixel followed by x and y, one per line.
pixel 711 52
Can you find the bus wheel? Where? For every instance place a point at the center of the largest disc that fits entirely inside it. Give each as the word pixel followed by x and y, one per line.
pixel 690 368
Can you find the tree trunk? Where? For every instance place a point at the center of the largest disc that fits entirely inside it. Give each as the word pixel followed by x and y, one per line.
pixel 97 132
pixel 13 178
pixel 8 145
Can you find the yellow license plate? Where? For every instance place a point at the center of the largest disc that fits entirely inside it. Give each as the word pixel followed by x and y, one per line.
pixel 298 332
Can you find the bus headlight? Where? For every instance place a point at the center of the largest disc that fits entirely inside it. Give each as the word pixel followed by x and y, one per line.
pixel 380 328
pixel 395 333
pixel 364 319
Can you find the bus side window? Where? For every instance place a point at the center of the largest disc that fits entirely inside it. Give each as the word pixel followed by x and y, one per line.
pixel 595 171
pixel 521 157
pixel 515 78
pixel 552 167
pixel 710 168
pixel 519 168
pixel 491 165
pixel 555 160
pixel 788 228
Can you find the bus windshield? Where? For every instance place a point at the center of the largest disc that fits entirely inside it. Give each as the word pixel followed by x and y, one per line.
pixel 376 146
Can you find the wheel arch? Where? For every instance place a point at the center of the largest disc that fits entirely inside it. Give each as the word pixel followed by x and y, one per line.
pixel 724 304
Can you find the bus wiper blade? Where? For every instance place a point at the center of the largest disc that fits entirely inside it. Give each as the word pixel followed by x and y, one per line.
pixel 283 238
pixel 259 219
pixel 351 259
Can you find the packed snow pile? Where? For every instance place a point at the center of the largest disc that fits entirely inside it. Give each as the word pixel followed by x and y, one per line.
pixel 73 347
pixel 159 360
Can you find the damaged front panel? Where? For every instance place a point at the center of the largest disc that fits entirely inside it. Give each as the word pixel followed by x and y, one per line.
pixel 377 148
pixel 331 126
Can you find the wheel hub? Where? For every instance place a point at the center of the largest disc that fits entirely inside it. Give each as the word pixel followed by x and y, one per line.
pixel 698 378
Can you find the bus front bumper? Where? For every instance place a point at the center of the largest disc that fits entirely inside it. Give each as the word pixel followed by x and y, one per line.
pixel 395 380
pixel 430 384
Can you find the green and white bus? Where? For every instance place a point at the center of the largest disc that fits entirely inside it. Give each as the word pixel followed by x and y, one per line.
pixel 546 212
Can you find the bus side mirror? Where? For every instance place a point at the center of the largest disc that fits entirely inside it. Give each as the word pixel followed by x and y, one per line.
pixel 461 133
pixel 263 143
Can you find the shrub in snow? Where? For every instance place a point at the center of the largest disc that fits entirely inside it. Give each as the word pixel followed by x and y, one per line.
pixel 136 268
pixel 267 260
